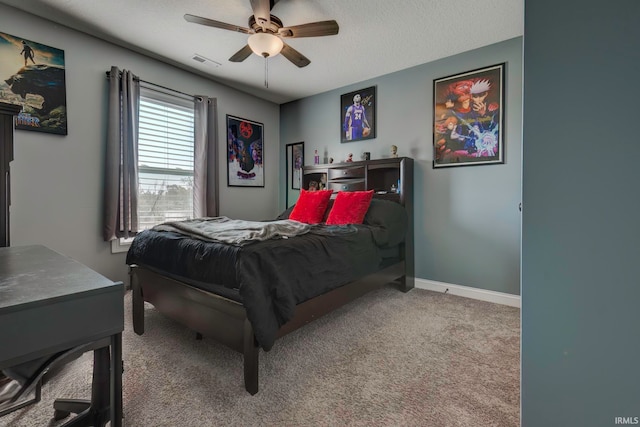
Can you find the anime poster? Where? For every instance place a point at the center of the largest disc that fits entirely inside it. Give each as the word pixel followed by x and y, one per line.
pixel 468 118
pixel 32 75
pixel 245 162
pixel 358 115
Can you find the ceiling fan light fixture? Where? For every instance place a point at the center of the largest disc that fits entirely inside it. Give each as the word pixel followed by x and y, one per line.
pixel 265 44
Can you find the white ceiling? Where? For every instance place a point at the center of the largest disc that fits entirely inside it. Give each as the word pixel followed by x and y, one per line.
pixel 376 37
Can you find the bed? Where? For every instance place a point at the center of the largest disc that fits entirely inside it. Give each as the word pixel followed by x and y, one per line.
pixel 247 295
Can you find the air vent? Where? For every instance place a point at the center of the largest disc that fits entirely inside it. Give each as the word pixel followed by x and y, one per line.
pixel 201 59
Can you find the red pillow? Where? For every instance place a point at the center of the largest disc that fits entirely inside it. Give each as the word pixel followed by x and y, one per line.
pixel 350 207
pixel 310 206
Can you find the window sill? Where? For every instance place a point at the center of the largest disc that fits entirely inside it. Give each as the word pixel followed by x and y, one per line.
pixel 120 245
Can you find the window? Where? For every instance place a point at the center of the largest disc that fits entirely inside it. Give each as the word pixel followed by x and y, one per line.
pixel 165 161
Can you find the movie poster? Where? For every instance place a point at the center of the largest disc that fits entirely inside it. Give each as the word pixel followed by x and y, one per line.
pixel 32 75
pixel 245 161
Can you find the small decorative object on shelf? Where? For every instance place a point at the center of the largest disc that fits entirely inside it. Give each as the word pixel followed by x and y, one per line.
pixel 394 188
pixel 349 158
pixel 330 159
pixel 366 155
pixel 313 186
pixel 316 158
pixel 394 151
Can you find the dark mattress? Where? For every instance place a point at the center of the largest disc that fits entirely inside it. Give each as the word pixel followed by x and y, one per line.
pixel 270 277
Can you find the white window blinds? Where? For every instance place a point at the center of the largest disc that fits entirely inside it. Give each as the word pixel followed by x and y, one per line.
pixel 165 158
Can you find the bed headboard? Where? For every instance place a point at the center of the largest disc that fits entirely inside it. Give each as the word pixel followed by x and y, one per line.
pixel 380 175
pixel 391 179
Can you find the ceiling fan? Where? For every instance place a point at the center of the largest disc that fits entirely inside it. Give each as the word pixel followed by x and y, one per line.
pixel 267 33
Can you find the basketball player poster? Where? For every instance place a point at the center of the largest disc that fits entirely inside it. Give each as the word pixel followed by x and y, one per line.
pixel 358 115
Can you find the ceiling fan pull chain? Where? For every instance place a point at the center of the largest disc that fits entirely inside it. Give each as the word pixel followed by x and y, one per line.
pixel 266 72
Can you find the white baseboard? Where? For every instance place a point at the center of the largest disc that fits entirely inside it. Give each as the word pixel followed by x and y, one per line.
pixel 469 292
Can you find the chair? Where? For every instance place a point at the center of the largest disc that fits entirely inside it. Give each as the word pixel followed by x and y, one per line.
pixel 94 412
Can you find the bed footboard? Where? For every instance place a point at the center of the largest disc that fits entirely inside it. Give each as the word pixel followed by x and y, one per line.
pixel 137 303
pixel 201 311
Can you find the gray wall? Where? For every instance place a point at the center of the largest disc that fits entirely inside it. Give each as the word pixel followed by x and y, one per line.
pixel 467 218
pixel 580 231
pixel 57 180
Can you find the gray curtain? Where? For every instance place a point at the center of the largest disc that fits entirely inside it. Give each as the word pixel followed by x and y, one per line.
pixel 205 175
pixel 121 171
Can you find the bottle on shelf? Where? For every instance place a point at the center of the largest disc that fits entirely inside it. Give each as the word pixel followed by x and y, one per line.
pixel 316 158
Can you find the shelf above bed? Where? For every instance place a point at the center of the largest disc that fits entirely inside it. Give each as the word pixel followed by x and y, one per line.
pixel 387 177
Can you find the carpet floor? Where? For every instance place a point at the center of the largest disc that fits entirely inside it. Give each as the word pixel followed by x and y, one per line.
pixel 387 359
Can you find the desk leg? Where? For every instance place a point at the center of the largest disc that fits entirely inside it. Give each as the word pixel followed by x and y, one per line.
pixel 99 410
pixel 116 380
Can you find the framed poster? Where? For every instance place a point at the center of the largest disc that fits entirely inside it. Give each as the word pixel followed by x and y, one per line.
pixel 358 115
pixel 32 75
pixel 297 161
pixel 245 154
pixel 468 118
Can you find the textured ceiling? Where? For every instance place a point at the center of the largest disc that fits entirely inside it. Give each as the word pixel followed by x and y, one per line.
pixel 376 37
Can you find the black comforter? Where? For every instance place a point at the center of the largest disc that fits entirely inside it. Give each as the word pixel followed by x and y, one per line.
pixel 271 277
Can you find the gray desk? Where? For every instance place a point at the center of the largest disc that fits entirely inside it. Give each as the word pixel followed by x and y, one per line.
pixel 50 303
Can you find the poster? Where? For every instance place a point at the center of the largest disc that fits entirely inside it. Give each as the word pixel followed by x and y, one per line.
pixel 358 115
pixel 245 161
pixel 297 154
pixel 468 122
pixel 32 75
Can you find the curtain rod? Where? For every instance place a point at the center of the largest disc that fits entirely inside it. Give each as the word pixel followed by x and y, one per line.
pixel 157 85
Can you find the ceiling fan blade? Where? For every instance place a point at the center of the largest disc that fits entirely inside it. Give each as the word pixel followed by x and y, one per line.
pixel 241 55
pixel 216 24
pixel 312 29
pixel 294 56
pixel 261 11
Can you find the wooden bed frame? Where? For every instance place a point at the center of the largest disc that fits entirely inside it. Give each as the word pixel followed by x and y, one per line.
pixel 226 320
